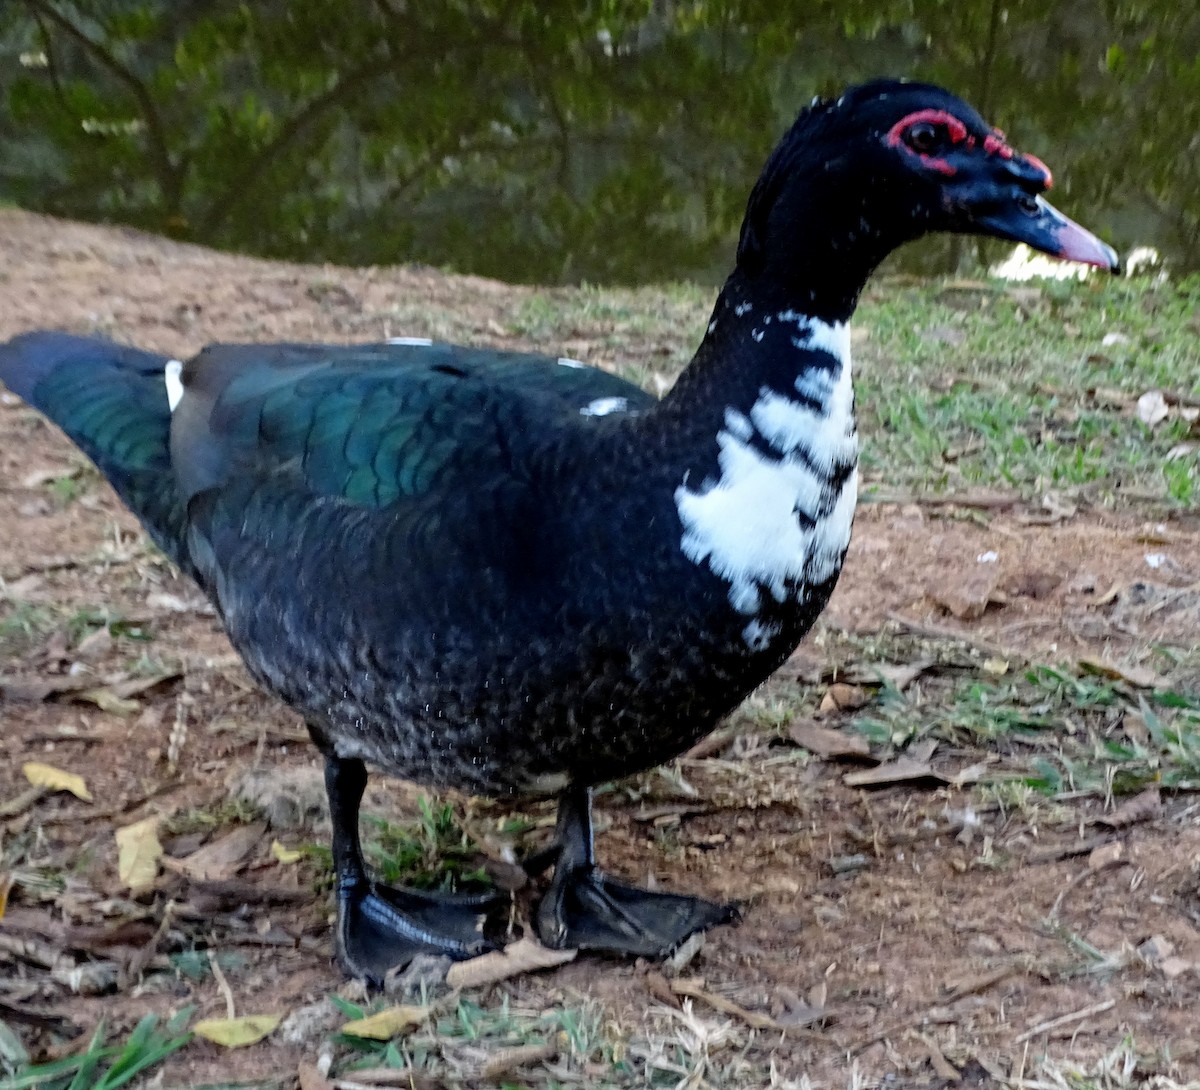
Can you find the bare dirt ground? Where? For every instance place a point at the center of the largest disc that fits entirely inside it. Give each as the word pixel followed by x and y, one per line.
pixel 941 931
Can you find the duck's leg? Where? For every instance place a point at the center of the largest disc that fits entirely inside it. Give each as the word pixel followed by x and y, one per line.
pixel 585 909
pixel 380 927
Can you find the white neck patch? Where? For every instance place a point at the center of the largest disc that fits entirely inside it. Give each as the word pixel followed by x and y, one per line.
pixel 776 520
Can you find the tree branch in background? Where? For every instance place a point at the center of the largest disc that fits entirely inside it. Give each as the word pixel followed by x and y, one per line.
pixel 168 173
pixel 241 185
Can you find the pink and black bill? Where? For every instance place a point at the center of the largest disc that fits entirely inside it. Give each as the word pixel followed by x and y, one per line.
pixel 989 188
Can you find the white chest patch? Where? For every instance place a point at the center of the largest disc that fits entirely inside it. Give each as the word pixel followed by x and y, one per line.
pixel 777 520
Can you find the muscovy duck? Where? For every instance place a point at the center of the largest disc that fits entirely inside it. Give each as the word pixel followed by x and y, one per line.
pixel 516 575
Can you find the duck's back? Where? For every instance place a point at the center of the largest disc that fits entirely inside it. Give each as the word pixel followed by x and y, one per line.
pixel 442 558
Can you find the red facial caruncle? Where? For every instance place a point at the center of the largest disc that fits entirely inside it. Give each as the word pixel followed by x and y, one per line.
pixel 909 132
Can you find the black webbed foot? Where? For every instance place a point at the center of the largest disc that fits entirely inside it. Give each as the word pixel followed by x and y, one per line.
pixel 585 909
pixel 380 927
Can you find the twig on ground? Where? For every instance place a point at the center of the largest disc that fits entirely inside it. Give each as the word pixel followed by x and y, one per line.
pixel 1064 1020
pixel 754 1019
pixel 222 984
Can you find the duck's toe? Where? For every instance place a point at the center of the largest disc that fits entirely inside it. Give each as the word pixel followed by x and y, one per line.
pixel 585 909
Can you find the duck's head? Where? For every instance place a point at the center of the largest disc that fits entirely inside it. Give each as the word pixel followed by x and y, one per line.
pixel 885 163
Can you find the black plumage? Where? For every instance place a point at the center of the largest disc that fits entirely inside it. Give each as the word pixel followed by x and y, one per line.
pixel 516 575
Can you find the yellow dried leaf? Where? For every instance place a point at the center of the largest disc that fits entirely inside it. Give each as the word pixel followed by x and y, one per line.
pixel 237 1032
pixel 387 1023
pixel 138 853
pixel 6 882
pixel 285 855
pixel 995 666
pixel 56 779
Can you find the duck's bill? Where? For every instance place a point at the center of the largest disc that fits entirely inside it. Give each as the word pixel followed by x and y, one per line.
pixel 1043 227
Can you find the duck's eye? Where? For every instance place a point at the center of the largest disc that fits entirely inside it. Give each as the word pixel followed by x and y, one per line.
pixel 924 136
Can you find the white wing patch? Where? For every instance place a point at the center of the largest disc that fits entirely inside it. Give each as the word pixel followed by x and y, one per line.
pixel 566 361
pixel 416 342
pixel 776 520
pixel 602 406
pixel 173 377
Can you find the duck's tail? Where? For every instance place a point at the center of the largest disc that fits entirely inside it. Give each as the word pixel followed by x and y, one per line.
pixel 112 402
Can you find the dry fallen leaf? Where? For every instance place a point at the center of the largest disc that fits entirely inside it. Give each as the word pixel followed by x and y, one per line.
pixel 660 988
pixel 900 770
pixel 968 597
pixel 512 1059
pixel 902 675
pixel 312 1079
pixel 221 859
pixel 1142 807
pixel 6 881
pixel 523 956
pixel 1152 408
pixel 898 674
pixel 138 853
pixel 55 779
pixel 825 742
pixel 1134 726
pixel 36 689
pixel 972 773
pixel 386 1024
pixel 108 701
pixel 1140 676
pixel 840 697
pixel 1107 855
pixel 237 1032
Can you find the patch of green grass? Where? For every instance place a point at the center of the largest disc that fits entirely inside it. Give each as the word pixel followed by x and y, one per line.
pixel 1016 386
pixel 66 489
pixel 196 965
pixel 432 852
pixel 1122 1068
pixel 206 818
pixel 457 1040
pixel 22 625
pixel 1067 730
pixel 104 1066
pixel 84 622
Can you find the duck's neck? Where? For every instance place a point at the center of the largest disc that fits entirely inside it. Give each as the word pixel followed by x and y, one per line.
pixel 759 342
pixel 764 452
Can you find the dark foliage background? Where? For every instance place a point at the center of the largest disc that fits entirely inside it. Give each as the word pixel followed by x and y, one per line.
pixel 558 141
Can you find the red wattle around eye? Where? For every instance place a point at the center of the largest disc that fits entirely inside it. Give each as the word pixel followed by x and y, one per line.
pixel 955 129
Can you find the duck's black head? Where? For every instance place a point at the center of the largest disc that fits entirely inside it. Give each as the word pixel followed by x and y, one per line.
pixel 884 164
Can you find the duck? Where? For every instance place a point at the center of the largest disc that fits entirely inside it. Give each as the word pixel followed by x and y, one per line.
pixel 522 577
